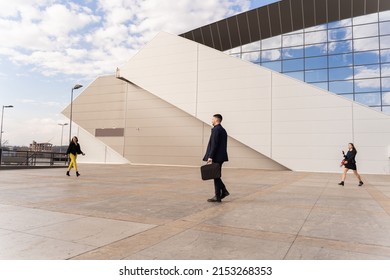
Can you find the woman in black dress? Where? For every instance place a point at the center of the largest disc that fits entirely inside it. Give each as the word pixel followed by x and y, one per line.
pixel 350 163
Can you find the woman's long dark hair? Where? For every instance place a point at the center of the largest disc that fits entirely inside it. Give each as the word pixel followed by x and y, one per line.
pixel 353 147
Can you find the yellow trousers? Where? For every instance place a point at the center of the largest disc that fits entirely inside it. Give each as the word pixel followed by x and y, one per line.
pixel 73 162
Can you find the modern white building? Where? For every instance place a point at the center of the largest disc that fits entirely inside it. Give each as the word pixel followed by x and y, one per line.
pixel 157 108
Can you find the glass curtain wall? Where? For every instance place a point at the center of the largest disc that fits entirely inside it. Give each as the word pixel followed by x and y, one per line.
pixel 349 57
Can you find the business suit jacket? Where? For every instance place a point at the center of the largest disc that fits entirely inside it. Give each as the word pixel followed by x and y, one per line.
pixel 217 147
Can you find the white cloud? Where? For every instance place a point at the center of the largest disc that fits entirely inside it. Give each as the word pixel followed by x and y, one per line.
pixel 54 37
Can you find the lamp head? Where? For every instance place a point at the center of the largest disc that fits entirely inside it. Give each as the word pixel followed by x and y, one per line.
pixel 77 86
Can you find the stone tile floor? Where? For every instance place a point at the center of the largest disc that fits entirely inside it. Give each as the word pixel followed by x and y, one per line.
pixel 149 212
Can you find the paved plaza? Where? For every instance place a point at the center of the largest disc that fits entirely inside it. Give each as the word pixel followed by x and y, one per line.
pixel 150 212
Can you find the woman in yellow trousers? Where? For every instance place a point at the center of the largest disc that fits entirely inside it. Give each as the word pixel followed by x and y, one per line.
pixel 74 150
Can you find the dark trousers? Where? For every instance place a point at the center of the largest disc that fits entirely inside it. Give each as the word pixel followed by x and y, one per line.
pixel 219 186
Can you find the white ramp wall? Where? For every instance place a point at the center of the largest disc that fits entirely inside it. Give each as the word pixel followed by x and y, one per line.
pixel 300 126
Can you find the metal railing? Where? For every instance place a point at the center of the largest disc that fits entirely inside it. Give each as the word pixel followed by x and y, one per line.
pixel 31 158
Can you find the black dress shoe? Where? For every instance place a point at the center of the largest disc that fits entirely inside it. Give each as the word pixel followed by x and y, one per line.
pixel 214 199
pixel 224 194
pixel 341 183
pixel 67 173
pixel 360 183
pixel 77 174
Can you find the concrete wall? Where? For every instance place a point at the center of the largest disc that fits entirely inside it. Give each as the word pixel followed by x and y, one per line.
pixel 155 131
pixel 299 126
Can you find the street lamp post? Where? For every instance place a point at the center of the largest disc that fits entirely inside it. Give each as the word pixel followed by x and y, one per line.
pixel 1 129
pixel 62 133
pixel 77 86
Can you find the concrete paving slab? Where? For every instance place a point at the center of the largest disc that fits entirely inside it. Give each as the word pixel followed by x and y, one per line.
pixel 91 231
pixel 157 212
pixel 22 246
pixel 193 244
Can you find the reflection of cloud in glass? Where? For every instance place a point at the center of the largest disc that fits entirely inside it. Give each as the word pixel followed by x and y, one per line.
pixel 385 70
pixel 340 47
pixel 384 15
pixel 251 56
pixel 385 42
pixel 368 30
pixel 270 55
pixel 272 43
pixel 386 98
pixel 367 85
pixel 341 23
pixel 316 37
pixel 316 28
pixel 370 99
pixel 366 44
pixel 296 52
pixel 363 72
pixel 386 84
pixel 385 55
pixel 251 47
pixel 371 57
pixel 340 34
pixel 316 50
pixel 365 19
pixel 293 40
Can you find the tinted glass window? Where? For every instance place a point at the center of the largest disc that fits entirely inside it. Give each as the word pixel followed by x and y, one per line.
pixel 276 65
pixel 252 57
pixel 385 55
pixel 270 55
pixel 340 34
pixel 343 73
pixel 366 44
pixel 292 40
pixel 341 87
pixel 365 19
pixel 316 37
pixel 385 70
pixel 292 65
pixel 385 42
pixel 321 85
pixel 340 47
pixel 386 98
pixel 369 71
pixel 362 58
pixel 272 43
pixel 296 75
pixel 367 85
pixel 316 50
pixel 316 76
pixel 385 84
pixel 289 53
pixel 316 62
pixel 370 99
pixel 367 30
pixel 384 28
pixel 340 60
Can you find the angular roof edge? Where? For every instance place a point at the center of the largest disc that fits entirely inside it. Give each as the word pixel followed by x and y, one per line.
pixel 279 18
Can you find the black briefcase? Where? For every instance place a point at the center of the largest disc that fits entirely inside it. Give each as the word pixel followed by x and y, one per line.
pixel 210 171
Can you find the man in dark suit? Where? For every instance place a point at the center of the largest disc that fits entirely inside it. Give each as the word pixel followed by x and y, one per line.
pixel 217 152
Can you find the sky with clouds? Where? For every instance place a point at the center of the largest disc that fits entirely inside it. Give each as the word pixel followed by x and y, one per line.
pixel 48 46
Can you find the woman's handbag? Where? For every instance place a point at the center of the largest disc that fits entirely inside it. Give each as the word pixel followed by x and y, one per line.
pixel 210 171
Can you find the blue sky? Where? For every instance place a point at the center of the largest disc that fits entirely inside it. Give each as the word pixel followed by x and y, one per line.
pixel 48 46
